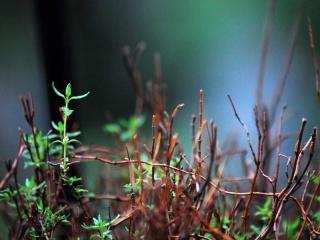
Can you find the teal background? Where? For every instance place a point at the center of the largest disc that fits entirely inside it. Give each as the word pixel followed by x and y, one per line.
pixel 214 45
pixel 209 44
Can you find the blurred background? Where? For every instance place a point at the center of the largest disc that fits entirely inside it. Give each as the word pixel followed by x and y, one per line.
pixel 209 44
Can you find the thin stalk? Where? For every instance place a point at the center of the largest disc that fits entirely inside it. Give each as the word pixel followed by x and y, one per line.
pixel 65 143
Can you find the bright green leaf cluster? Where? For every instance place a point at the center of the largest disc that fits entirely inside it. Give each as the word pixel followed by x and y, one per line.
pixel 291 228
pixel 67 97
pixel 102 227
pixel 35 157
pixel 124 128
pixel 265 211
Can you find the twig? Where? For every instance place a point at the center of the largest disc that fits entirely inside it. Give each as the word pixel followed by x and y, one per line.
pixel 245 128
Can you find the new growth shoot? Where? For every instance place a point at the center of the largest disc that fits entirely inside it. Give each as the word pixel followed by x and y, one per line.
pixel 66 113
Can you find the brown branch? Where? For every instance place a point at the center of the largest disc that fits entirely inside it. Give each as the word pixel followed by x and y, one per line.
pixel 13 167
pixel 200 127
pixel 245 128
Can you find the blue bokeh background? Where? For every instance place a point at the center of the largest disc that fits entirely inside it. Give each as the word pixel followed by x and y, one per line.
pixel 214 45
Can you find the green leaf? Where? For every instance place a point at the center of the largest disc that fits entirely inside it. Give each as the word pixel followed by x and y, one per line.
pixel 243 236
pixel 68 90
pixel 225 223
pixel 255 229
pixel 136 122
pixel 80 190
pixel 57 92
pixel 98 224
pixel 40 205
pixel 127 135
pixel 111 128
pixel 317 217
pixel 60 126
pixel 291 228
pixel 80 96
pixel 29 183
pixel 93 236
pixel 72 180
pixel 54 125
pixel 66 111
pixel 264 211
pixel 315 179
pixel 5 195
pixel 53 136
pixel 57 141
pixel 123 123
pixel 107 235
pixel 74 141
pixel 74 134
pixel 128 188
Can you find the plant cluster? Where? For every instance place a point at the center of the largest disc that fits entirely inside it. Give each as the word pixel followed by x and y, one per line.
pixel 164 193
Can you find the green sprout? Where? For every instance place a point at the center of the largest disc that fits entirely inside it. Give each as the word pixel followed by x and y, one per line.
pixel 264 212
pixel 65 139
pixel 291 228
pixel 35 158
pixel 124 129
pixel 102 227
